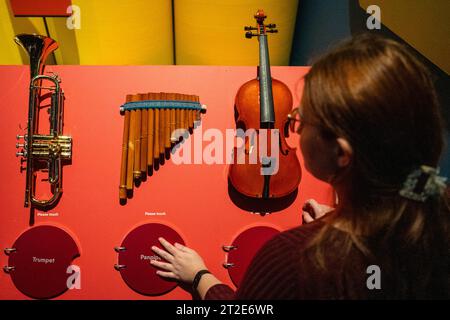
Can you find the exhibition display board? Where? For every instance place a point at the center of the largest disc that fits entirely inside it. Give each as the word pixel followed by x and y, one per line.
pixel 188 196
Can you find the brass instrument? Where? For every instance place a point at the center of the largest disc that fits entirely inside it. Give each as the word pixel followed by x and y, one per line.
pixel 154 123
pixel 43 152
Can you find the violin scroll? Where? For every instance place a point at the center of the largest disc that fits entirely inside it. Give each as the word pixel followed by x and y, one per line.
pixel 261 28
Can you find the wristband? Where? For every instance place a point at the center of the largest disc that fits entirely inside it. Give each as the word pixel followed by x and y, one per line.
pixel 197 278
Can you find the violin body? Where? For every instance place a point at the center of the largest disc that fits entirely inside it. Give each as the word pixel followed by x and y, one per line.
pixel 247 178
pixel 264 166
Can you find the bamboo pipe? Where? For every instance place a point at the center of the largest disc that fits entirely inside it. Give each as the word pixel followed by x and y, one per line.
pixel 177 119
pixel 171 111
pixel 197 113
pixel 190 113
pixel 162 124
pixel 168 96
pixel 172 120
pixel 150 132
pixel 137 143
pixel 123 167
pixel 183 114
pixel 157 129
pixel 144 137
pixel 131 142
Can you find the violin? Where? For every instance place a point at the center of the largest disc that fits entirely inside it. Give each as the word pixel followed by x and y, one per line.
pixel 263 105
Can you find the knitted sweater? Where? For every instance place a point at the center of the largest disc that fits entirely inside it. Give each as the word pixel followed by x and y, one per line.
pixel 284 269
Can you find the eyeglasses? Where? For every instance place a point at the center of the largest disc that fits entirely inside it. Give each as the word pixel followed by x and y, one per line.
pixel 295 121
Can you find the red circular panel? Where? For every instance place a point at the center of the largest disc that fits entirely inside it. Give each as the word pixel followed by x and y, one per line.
pixel 138 273
pixel 40 261
pixel 246 245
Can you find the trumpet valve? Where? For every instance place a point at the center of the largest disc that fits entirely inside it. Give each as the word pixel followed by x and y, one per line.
pixel 54 149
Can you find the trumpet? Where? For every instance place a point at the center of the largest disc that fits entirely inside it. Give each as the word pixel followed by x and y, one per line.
pixel 43 152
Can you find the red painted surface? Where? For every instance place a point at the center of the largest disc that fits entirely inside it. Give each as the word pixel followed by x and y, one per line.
pixel 137 271
pixel 40 8
pixel 191 199
pixel 246 245
pixel 40 260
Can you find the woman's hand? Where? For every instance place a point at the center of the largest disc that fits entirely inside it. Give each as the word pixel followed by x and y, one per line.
pixel 313 210
pixel 182 263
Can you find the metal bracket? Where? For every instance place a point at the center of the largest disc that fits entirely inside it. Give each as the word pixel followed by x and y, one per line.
pixel 8 269
pixel 228 265
pixel 229 248
pixel 119 267
pixel 9 250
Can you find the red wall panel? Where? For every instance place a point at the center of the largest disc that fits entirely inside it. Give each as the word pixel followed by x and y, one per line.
pixel 194 198
pixel 41 8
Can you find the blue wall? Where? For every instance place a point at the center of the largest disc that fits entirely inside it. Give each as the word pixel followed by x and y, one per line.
pixel 320 24
pixel 323 23
pixel 445 163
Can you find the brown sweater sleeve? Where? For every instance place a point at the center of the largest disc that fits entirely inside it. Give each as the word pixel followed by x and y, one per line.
pixel 273 273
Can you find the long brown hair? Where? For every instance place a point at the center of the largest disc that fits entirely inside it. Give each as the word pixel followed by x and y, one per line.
pixel 374 93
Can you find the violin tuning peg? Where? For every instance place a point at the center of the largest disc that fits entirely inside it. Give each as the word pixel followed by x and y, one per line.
pixel 271 25
pixel 248 35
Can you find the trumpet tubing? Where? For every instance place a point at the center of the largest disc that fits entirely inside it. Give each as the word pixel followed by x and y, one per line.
pixel 152 123
pixel 53 148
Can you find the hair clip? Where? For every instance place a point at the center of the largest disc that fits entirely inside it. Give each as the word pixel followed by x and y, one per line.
pixel 423 183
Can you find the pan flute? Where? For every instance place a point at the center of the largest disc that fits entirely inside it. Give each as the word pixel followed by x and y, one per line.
pixel 153 124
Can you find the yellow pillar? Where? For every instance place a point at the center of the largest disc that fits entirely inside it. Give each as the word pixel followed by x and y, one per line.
pixel 132 32
pixel 212 32
pixel 129 32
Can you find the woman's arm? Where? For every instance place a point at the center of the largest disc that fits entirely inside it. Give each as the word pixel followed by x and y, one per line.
pixel 182 264
pixel 269 275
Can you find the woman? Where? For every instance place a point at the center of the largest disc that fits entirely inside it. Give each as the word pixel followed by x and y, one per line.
pixel 370 126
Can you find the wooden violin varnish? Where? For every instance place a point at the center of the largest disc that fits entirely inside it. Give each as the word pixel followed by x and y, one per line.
pixel 264 103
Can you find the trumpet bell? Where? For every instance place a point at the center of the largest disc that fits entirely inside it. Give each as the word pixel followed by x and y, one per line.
pixel 38 48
